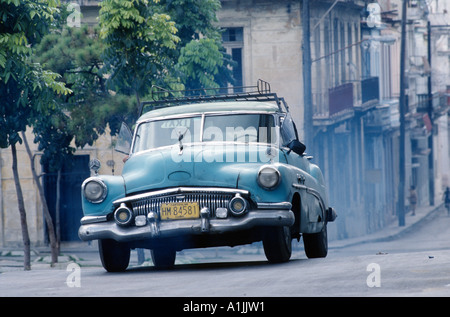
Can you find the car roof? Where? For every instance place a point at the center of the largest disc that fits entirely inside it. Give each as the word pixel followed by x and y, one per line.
pixel 225 106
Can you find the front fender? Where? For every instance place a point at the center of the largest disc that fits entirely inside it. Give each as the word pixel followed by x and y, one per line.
pixel 247 180
pixel 115 189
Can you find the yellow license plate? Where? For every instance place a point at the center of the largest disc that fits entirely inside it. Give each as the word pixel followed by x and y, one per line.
pixel 182 210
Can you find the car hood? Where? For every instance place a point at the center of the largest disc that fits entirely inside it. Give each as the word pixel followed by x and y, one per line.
pixel 197 165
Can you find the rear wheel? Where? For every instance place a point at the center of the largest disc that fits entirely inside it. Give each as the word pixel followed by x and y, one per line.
pixel 277 244
pixel 163 258
pixel 115 256
pixel 316 244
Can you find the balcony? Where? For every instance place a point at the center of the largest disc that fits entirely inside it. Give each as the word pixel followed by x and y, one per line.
pixel 370 90
pixel 340 99
pixel 341 102
pixel 334 104
pixel 439 101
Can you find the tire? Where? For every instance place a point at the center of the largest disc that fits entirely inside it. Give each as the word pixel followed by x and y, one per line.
pixel 316 244
pixel 163 258
pixel 115 256
pixel 277 244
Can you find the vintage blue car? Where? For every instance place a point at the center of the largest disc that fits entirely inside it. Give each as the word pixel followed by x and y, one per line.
pixel 214 170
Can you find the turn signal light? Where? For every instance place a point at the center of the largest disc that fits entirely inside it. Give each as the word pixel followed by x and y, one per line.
pixel 238 205
pixel 123 215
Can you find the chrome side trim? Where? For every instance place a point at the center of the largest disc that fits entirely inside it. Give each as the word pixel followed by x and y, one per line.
pixel 180 190
pixel 315 193
pixel 92 219
pixel 281 205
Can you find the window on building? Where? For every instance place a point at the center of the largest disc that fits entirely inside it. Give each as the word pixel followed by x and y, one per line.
pixel 343 69
pixel 233 42
pixel 336 51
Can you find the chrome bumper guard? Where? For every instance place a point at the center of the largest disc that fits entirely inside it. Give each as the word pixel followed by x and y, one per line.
pixel 154 228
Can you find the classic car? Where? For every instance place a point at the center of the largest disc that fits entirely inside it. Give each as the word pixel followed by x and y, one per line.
pixel 212 170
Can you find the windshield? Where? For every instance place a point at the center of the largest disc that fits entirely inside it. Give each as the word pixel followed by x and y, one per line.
pixel 154 134
pixel 216 128
pixel 239 128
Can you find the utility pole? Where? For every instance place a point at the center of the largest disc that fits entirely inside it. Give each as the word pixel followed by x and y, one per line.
pixel 430 115
pixel 307 90
pixel 402 106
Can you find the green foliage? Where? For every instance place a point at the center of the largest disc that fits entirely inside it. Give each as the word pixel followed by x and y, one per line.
pixel 200 61
pixel 71 49
pixel 88 121
pixel 54 139
pixel 137 39
pixel 22 24
pixel 26 90
pixel 109 68
pixel 75 53
pixel 193 18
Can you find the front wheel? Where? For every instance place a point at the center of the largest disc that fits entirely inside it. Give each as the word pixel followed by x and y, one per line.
pixel 115 256
pixel 163 258
pixel 277 244
pixel 316 244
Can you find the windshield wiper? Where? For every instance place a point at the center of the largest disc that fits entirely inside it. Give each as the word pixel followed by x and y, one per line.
pixel 180 138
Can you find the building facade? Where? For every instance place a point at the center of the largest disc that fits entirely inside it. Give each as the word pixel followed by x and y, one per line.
pixel 355 77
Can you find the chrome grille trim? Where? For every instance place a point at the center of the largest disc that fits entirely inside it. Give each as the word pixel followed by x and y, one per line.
pixel 210 197
pixel 212 201
pixel 181 190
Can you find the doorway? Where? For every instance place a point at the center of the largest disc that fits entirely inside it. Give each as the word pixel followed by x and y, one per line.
pixel 73 173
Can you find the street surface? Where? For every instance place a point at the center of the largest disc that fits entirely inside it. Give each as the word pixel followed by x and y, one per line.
pixel 417 264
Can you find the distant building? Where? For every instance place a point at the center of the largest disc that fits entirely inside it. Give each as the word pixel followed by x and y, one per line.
pixel 355 52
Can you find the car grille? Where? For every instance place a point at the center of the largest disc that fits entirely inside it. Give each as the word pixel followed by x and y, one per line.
pixel 212 201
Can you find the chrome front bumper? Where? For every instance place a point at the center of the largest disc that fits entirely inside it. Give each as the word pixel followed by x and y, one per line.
pixel 93 228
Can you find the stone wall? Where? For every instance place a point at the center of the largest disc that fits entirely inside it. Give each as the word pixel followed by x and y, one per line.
pixel 272 46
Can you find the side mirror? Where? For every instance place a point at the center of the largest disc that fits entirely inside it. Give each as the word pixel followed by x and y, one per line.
pixel 297 147
pixel 123 144
pixel 290 136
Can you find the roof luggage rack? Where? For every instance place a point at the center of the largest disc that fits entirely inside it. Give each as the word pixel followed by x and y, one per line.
pixel 260 92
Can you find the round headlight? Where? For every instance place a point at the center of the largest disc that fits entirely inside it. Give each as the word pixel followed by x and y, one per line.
pixel 94 190
pixel 268 177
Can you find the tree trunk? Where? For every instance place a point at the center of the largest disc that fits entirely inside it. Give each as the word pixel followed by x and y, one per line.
pixel 23 215
pixel 47 216
pixel 57 208
pixel 138 101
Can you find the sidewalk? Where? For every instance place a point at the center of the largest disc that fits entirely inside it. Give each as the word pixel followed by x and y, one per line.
pixel 393 230
pixel 86 254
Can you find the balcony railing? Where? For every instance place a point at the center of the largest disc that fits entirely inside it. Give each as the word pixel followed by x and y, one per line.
pixel 438 100
pixel 338 103
pixel 340 98
pixel 370 89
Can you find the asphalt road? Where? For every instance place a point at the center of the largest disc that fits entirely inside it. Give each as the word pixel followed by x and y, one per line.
pixel 418 264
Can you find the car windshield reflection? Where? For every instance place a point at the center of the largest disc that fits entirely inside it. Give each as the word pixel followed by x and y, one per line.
pixel 242 128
